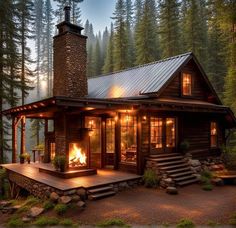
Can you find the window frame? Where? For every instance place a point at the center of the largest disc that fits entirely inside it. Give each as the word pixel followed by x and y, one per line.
pixel 191 83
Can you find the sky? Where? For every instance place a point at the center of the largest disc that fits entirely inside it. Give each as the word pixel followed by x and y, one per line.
pixel 98 12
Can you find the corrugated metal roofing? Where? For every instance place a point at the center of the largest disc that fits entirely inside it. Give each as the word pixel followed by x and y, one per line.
pixel 145 79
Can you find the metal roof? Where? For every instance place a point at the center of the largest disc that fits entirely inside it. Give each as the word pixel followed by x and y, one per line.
pixel 141 80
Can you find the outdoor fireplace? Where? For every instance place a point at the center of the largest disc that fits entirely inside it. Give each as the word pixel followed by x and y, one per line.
pixel 78 155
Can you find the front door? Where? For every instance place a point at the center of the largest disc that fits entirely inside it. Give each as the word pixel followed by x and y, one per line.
pixel 163 134
pixel 109 158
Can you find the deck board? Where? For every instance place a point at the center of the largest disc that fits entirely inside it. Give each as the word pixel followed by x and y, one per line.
pixel 102 177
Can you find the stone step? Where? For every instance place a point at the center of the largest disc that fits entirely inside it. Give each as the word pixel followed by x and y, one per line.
pixel 188 182
pixel 167 159
pixel 102 195
pixel 179 179
pixel 101 189
pixel 172 167
pixel 178 170
pixel 171 163
pixel 163 155
pixel 176 175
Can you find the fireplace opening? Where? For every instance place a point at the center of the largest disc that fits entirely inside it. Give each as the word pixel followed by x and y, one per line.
pixel 78 156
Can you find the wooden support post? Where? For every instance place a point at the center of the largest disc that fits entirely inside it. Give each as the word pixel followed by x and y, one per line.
pixel 14 139
pixel 22 146
pixel 46 146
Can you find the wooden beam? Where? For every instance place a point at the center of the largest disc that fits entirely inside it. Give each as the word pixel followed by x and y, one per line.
pixel 22 146
pixel 14 139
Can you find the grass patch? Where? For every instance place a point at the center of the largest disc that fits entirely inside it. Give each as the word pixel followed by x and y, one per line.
pixel 212 223
pixel 112 222
pixel 66 222
pixel 46 221
pixel 15 222
pixel 23 209
pixel 47 205
pixel 207 187
pixel 185 223
pixel 232 220
pixel 150 179
pixel 31 201
pixel 60 209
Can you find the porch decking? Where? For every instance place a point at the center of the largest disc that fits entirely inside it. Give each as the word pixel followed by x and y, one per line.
pixel 103 177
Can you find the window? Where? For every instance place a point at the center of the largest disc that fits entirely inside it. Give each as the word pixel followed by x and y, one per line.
pixel 128 138
pixel 186 84
pixel 170 132
pixel 156 132
pixel 213 134
pixel 110 135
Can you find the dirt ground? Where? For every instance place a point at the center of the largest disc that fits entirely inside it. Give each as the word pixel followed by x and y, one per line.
pixel 142 206
pixel 150 206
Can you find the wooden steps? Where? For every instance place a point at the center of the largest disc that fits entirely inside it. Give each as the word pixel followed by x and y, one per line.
pixel 100 192
pixel 174 165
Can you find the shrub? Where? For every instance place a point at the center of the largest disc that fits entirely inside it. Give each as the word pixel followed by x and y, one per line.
pixel 59 162
pixel 31 201
pixel 66 222
pixel 185 223
pixel 60 209
pixel 46 221
pixel 150 179
pixel 212 223
pixel 15 222
pixel 232 220
pixel 207 187
pixel 184 146
pixel 229 157
pixel 113 222
pixel 48 205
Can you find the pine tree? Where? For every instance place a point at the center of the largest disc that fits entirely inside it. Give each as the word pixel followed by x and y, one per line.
pixel 169 28
pixel 120 37
pixel 109 60
pixel 105 42
pixel 147 49
pixel 9 63
pixel 25 20
pixel 194 34
pixel 97 58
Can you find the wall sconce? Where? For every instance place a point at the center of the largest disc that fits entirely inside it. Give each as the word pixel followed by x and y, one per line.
pixel 144 118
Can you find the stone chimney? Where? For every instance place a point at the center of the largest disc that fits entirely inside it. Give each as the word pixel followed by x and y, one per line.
pixel 70 59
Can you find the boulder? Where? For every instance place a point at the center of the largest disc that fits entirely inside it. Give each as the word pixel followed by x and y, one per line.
pixel 65 199
pixel 194 162
pixel 172 190
pixel 26 219
pixel 35 211
pixel 54 197
pixel 75 198
pixel 81 204
pixel 81 192
pixel 217 181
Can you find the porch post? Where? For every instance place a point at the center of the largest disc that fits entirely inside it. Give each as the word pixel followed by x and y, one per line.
pixel 22 146
pixel 14 137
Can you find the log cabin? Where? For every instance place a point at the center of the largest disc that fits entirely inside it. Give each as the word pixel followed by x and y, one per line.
pixel 117 120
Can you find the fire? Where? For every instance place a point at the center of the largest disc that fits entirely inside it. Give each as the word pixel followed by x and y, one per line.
pixel 77 157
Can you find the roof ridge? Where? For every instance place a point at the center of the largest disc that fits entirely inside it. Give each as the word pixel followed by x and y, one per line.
pixel 143 65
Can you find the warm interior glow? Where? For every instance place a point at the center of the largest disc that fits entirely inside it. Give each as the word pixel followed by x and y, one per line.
pixel 187 84
pixel 77 157
pixel 116 92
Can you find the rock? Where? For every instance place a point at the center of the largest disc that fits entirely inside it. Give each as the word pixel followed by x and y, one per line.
pixel 26 219
pixel 194 162
pixel 198 176
pixel 217 181
pixel 65 199
pixel 123 185
pixel 172 190
pixel 35 186
pixel 75 198
pixel 35 211
pixel 81 204
pixel 81 192
pixel 71 192
pixel 54 197
pixel 5 204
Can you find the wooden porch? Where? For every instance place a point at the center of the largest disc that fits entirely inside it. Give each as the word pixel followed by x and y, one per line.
pixel 103 177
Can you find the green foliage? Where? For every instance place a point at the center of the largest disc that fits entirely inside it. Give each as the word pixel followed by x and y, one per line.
pixel 47 205
pixel 59 162
pixel 66 222
pixel 184 145
pixel 150 179
pixel 212 223
pixel 229 157
pixel 60 209
pixel 113 222
pixel 206 177
pixel 3 174
pixel 15 222
pixel 232 220
pixel 31 201
pixel 185 223
pixel 207 187
pixel 206 174
pixel 46 221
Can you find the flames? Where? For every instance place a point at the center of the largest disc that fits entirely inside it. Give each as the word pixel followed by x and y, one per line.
pixel 77 158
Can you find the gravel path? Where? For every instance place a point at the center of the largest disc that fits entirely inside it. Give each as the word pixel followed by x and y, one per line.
pixel 150 206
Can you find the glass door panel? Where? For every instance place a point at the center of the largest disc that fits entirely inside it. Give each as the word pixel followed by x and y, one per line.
pixel 110 142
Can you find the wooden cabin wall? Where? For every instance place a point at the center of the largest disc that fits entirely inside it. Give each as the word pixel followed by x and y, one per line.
pixel 200 90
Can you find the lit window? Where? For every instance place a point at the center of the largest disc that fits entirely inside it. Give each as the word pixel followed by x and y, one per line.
pixel 187 84
pixel 170 132
pixel 213 134
pixel 156 132
pixel 128 138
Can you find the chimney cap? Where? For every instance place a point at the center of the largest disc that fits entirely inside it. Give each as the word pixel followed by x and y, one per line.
pixel 67 13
